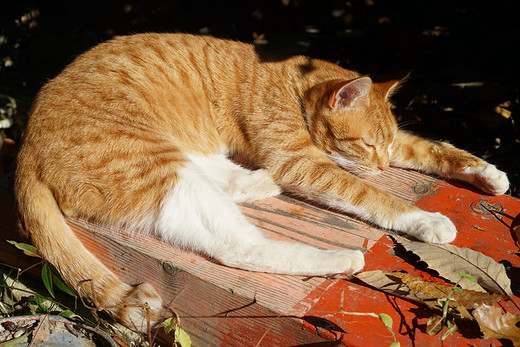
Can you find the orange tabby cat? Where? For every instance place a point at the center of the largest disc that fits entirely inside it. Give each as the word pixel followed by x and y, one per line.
pixel 137 132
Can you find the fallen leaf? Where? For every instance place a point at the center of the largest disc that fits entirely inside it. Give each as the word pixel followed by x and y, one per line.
pixel 169 325
pixel 497 325
pixel 42 331
pixel 427 293
pixel 448 259
pixel 181 337
pixel 120 342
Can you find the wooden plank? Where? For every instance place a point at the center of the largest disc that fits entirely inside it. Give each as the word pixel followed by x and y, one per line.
pixel 211 315
pixel 282 218
pixel 267 302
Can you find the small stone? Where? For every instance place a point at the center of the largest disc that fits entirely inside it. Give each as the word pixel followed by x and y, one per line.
pixel 19 333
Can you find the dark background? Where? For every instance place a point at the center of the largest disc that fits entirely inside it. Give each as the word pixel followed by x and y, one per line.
pixel 463 55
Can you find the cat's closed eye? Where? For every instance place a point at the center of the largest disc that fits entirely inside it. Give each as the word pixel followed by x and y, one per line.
pixel 368 143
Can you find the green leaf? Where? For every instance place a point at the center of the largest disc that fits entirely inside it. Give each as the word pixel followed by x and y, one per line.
pixel 470 278
pixel 452 327
pixel 387 320
pixel 181 337
pixel 29 250
pixel 395 344
pixel 58 282
pixel 41 310
pixel 16 341
pixel 457 289
pixel 66 314
pixel 39 300
pixel 47 278
pixel 467 277
pixel 168 325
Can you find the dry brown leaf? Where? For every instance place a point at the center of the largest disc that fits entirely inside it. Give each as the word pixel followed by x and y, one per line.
pixel 497 325
pixel 425 292
pixel 42 332
pixel 447 260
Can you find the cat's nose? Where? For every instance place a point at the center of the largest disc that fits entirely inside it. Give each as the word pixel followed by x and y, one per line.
pixel 383 163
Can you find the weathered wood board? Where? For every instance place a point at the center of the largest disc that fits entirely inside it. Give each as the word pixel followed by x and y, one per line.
pixel 224 306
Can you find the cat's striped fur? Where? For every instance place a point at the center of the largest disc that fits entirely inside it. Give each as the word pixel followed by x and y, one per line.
pixel 137 132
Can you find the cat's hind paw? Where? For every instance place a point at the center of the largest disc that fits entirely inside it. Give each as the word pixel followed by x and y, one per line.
pixel 357 261
pixel 347 262
pixel 142 306
pixel 427 226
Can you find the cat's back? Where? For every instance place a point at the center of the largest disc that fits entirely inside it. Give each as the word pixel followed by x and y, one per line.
pixel 155 58
pixel 141 80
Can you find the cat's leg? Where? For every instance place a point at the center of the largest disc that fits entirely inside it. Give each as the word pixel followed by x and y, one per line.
pixel 200 216
pixel 390 212
pixel 241 184
pixel 410 151
pixel 315 177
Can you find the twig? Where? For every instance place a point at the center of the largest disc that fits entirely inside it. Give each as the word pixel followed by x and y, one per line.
pixel 3 309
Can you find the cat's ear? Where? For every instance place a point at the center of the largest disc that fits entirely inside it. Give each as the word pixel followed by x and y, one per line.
pixel 390 86
pixel 349 93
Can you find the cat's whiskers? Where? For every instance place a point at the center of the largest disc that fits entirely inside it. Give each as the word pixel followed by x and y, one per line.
pixel 403 125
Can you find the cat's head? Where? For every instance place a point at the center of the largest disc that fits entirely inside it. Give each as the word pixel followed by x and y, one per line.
pixel 351 122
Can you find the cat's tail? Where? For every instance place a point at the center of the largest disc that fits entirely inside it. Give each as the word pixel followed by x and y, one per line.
pixel 41 219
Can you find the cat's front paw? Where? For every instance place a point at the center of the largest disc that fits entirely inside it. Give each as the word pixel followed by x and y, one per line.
pixel 488 178
pixel 253 186
pixel 427 226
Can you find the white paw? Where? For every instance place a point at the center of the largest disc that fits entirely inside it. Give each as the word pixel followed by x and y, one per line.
pixel 357 261
pixel 141 305
pixel 345 262
pixel 490 179
pixel 253 186
pixel 427 226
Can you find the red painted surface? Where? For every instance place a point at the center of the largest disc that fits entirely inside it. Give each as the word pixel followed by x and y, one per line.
pixel 229 307
pixel 479 229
